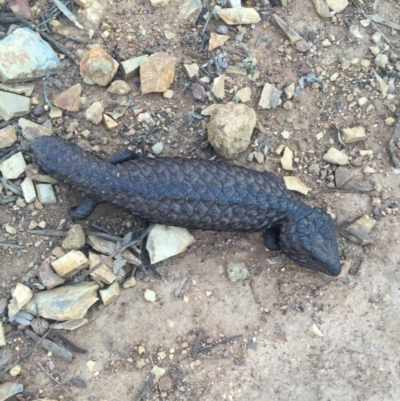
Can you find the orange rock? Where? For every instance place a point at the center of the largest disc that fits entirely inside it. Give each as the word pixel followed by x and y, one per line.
pixel 157 72
pixel 97 66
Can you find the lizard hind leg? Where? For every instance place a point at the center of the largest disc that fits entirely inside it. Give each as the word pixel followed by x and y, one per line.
pixel 271 239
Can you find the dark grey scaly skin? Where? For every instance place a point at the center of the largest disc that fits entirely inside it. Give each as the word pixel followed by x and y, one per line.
pixel 199 194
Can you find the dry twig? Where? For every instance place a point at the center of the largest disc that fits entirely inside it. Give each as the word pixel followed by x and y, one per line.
pixel 55 380
pixel 395 160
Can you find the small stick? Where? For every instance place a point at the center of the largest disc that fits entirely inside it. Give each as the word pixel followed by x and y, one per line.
pixel 256 299
pixel 27 355
pixel 196 345
pixel 46 98
pixel 211 12
pixel 146 387
pixel 107 258
pixel 227 340
pixel 395 160
pixel 6 245
pixel 60 233
pixel 259 39
pixel 350 189
pixel 55 380
pixel 37 314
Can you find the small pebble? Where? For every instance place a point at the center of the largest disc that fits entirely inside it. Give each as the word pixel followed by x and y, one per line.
pixel 150 296
pixel 222 29
pixel 38 110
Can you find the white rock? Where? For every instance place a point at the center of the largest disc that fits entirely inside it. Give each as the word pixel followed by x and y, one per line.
pixel 337 5
pixel 131 67
pixel 94 112
pixel 287 159
pixel 157 148
pixel 164 242
pixel 230 128
pixel 381 85
pixel 10 229
pixel 314 329
pixel 24 56
pixel 119 87
pixel 295 184
pixel 20 297
pixel 335 156
pixel 150 296
pixel 8 136
pixel 13 167
pixel 268 95
pixel 218 87
pixel 244 94
pixel 159 3
pixel 239 16
pixel 13 106
pixel 28 190
pixel 3 340
pixel 45 194
pixel 354 134
pixel 110 294
pixel 69 264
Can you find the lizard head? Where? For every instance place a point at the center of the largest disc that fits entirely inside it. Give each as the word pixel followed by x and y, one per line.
pixel 309 238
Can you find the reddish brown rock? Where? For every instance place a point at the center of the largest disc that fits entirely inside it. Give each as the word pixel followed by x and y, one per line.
pixel 70 99
pixel 21 8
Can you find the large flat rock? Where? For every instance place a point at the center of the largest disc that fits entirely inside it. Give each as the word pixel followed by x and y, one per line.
pixel 24 56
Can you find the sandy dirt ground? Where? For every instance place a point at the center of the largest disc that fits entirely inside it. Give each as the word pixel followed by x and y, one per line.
pixel 277 357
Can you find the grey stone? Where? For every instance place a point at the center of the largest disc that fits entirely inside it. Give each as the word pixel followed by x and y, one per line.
pixel 157 148
pixel 75 238
pixel 3 306
pixel 13 167
pixel 64 303
pixel 342 175
pixel 24 56
pixel 31 130
pixel 39 328
pixel 13 106
pixel 25 89
pixel 314 169
pixel 9 389
pixel 269 95
pixel 131 67
pixel 47 276
pixel 358 232
pixel 237 271
pixel 222 29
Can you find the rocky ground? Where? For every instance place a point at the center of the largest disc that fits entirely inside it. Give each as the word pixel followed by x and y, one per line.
pixel 305 89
